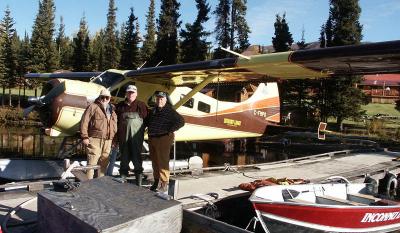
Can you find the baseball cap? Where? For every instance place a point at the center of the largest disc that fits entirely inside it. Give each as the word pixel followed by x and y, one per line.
pixel 131 88
pixel 105 92
pixel 161 94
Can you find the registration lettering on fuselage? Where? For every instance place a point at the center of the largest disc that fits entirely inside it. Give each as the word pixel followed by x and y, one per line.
pixel 260 113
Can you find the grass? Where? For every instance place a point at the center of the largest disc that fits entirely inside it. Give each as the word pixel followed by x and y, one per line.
pixel 14 91
pixel 373 109
pixel 379 126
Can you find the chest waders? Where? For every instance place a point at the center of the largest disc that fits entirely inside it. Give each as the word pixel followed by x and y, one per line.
pixel 131 145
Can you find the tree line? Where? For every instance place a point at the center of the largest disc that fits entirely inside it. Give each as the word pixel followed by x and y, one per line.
pixel 48 49
pixel 165 42
pixel 316 100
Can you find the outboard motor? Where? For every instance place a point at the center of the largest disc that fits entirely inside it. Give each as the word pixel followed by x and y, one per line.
pixel 388 186
pixel 398 188
pixel 371 185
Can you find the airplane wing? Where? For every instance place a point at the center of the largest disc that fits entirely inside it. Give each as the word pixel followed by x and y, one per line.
pixel 84 76
pixel 371 58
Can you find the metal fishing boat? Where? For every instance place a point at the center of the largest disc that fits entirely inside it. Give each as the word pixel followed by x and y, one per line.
pixel 337 207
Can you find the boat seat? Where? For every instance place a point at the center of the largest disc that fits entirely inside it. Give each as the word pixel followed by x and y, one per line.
pixel 362 198
pixel 329 200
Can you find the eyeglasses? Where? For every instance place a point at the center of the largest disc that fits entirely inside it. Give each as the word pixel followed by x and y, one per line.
pixel 105 97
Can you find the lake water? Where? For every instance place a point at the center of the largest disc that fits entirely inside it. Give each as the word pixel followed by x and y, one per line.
pixel 28 142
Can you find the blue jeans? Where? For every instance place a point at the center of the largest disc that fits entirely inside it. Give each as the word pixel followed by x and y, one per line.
pixel 113 156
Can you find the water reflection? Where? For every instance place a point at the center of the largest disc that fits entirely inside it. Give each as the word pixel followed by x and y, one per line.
pixel 30 143
pixel 264 150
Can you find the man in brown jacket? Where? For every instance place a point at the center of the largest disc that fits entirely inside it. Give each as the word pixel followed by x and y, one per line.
pixel 98 127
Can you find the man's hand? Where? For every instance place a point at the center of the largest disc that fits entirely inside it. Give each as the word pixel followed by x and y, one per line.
pixel 86 141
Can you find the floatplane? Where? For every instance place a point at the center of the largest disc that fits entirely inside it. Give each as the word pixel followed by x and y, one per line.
pixel 66 94
pixel 64 100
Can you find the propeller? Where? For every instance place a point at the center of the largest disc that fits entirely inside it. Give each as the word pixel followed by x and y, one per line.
pixel 36 102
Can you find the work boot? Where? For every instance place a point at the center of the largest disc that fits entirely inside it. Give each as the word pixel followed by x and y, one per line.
pixel 163 187
pixel 138 179
pixel 155 185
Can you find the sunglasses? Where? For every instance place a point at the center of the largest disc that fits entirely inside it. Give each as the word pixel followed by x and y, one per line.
pixel 105 97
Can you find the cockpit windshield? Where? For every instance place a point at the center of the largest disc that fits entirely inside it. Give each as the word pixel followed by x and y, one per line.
pixel 108 79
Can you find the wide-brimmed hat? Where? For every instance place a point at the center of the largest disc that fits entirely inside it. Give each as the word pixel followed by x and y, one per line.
pixel 161 94
pixel 131 88
pixel 105 92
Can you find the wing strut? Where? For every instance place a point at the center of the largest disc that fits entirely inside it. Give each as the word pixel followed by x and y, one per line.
pixel 194 91
pixel 216 110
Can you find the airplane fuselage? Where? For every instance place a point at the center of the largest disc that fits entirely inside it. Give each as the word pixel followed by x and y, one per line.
pixel 206 118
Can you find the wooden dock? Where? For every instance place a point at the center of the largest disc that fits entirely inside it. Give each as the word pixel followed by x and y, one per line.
pixel 191 191
pixel 104 205
pixel 315 168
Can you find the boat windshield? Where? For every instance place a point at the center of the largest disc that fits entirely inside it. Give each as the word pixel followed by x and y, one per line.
pixel 108 79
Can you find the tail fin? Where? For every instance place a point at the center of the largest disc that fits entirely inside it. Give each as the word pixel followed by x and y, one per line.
pixel 265 101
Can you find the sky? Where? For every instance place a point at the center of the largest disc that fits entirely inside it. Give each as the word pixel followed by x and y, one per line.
pixel 379 17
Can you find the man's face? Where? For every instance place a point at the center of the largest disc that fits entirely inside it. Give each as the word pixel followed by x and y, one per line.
pixel 161 101
pixel 105 99
pixel 131 96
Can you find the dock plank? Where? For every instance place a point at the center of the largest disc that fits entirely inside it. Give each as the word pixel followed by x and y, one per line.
pixel 104 205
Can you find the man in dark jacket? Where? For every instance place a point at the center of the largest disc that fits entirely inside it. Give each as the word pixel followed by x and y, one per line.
pixel 98 127
pixel 132 115
pixel 163 122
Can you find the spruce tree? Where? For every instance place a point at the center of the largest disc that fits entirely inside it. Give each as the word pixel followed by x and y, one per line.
pixel 167 50
pixel 240 28
pixel 121 36
pixel 111 52
pixel 81 50
pixel 296 97
pixel 43 47
pixel 343 99
pixel 346 28
pixel 194 46
pixel 129 44
pixel 322 38
pixel 97 52
pixel 328 31
pixel 63 47
pixel 283 38
pixel 149 43
pixel 24 60
pixel 231 27
pixel 222 28
pixel 302 43
pixel 8 71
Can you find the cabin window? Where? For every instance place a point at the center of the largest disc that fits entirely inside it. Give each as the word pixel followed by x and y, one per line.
pixel 189 103
pixel 203 107
pixel 109 79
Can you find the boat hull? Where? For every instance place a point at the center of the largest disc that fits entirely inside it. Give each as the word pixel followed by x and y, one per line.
pixel 338 218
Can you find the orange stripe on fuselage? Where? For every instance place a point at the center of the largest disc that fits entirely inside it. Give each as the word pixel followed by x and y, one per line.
pixel 264 103
pixel 275 118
